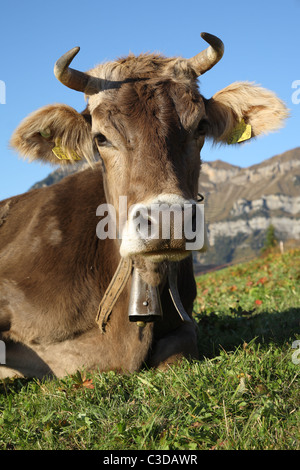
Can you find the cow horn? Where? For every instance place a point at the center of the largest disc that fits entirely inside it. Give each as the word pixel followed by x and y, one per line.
pixel 206 59
pixel 72 78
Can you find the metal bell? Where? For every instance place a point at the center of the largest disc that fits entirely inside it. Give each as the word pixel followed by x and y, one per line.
pixel 144 303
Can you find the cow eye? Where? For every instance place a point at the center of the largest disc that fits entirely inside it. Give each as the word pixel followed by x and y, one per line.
pixel 203 127
pixel 100 139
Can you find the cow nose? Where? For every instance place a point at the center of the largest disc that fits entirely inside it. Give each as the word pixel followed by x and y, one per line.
pixel 146 224
pixel 168 223
pixel 164 220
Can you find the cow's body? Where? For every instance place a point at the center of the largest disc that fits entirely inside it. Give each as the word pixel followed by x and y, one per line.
pixel 49 302
pixel 147 120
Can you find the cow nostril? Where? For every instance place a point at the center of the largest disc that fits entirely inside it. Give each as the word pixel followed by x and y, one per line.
pixel 148 221
pixel 143 223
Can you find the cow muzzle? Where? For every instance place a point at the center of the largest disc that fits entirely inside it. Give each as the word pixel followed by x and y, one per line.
pixel 166 228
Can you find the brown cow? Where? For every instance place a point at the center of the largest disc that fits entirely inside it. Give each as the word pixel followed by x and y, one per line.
pixel 65 291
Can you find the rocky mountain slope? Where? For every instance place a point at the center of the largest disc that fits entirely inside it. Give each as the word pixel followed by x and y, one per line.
pixel 241 203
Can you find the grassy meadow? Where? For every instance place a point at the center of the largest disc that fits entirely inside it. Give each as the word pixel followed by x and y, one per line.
pixel 243 393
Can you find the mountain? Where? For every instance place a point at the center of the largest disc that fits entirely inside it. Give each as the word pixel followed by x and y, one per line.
pixel 240 204
pixel 59 174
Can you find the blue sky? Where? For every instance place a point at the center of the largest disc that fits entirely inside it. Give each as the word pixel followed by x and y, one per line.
pixel 262 44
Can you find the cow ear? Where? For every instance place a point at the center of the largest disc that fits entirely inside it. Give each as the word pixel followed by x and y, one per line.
pixel 244 110
pixel 55 134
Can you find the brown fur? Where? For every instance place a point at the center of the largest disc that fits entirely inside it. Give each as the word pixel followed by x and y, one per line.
pixel 260 108
pixel 53 268
pixel 4 209
pixel 64 123
pixel 53 295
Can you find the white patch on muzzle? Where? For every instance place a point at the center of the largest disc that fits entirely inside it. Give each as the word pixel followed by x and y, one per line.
pixel 148 226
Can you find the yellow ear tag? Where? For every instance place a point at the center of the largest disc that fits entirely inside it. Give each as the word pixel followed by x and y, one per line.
pixel 240 133
pixel 60 153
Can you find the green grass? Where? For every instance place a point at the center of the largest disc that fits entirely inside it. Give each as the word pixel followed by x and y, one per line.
pixel 259 299
pixel 243 393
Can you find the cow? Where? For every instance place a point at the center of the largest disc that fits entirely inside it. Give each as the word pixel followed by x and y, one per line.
pixel 72 298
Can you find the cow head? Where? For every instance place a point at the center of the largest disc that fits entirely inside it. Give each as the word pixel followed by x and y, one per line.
pixel 147 121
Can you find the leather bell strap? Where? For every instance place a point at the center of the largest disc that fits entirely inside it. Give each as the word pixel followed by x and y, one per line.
pixel 113 292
